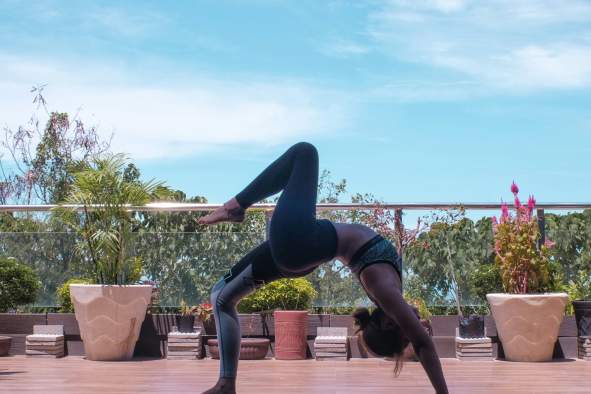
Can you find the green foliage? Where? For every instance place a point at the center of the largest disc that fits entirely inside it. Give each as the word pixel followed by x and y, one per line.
pixel 571 235
pixel 19 284
pixel 185 309
pixel 421 307
pixel 285 294
pixel 440 263
pixel 105 226
pixel 579 288
pixel 63 294
pixel 486 279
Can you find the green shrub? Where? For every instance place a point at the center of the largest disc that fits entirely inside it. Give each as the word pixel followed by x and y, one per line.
pixel 63 294
pixel 287 294
pixel 19 284
pixel 487 279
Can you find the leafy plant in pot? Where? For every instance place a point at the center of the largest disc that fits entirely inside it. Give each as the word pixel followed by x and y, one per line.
pixel 290 299
pixel 443 248
pixel 579 292
pixel 185 321
pixel 111 311
pixel 528 318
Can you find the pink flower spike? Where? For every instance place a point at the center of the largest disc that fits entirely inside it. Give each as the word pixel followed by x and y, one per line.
pixel 504 211
pixel 517 202
pixel 531 203
pixel 494 221
pixel 549 244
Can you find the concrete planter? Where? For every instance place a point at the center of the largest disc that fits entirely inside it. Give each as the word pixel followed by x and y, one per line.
pixel 110 318
pixel 528 324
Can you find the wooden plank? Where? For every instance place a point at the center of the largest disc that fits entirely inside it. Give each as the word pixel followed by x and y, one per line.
pixel 74 375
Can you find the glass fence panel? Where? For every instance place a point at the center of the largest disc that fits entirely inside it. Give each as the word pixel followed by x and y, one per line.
pixel 443 261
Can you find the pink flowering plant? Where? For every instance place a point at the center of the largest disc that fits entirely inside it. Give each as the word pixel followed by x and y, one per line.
pixel 524 264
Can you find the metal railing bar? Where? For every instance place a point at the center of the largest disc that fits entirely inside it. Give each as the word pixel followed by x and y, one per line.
pixel 192 207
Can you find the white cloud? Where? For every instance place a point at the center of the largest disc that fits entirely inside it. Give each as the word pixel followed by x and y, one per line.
pixel 514 46
pixel 171 120
pixel 344 48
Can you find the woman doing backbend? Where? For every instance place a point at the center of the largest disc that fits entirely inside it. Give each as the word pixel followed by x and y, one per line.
pixel 297 244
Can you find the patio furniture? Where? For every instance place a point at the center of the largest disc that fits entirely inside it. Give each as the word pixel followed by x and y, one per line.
pixel 183 345
pixel 473 349
pixel 47 341
pixel 331 343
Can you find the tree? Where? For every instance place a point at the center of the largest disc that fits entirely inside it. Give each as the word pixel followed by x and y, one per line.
pixel 442 261
pixel 43 160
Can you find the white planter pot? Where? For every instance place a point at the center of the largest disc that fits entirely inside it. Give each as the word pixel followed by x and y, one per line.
pixel 110 318
pixel 528 324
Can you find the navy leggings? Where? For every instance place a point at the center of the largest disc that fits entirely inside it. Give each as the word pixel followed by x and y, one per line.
pixel 297 244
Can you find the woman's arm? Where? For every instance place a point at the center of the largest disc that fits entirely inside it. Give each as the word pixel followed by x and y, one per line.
pixel 382 283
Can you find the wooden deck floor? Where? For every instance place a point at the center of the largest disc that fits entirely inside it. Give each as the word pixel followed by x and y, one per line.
pixel 19 374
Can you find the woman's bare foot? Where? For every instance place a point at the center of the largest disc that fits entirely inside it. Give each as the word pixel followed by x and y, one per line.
pixel 223 386
pixel 231 211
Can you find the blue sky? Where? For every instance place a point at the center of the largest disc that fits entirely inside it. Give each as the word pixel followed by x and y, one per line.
pixel 440 100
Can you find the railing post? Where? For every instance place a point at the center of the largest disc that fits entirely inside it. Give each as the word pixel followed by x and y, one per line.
pixel 542 226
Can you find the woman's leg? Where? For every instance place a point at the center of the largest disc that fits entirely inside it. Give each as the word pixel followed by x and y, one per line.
pixel 295 172
pixel 295 238
pixel 238 283
pixel 297 167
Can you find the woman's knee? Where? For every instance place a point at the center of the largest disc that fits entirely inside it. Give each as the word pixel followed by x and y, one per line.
pixel 305 148
pixel 216 291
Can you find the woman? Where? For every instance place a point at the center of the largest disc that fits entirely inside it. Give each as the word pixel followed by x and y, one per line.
pixel 297 244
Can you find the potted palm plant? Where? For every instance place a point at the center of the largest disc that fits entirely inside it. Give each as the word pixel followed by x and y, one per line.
pixel 290 299
pixel 109 312
pixel 527 317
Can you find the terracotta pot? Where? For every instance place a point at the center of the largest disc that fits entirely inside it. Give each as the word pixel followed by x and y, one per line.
pixel 110 318
pixel 250 348
pixel 528 324
pixel 4 345
pixel 290 335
